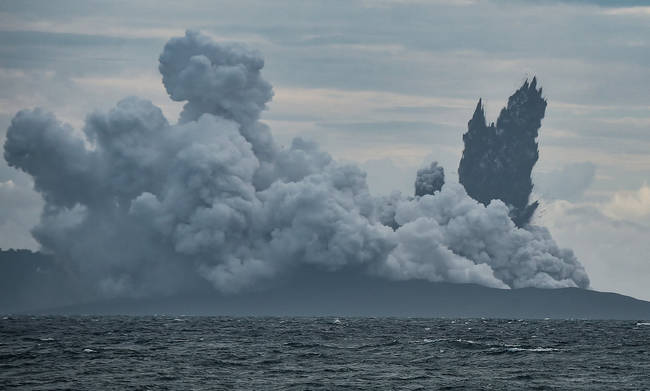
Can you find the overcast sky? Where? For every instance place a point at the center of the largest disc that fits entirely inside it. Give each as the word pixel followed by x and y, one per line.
pixel 389 84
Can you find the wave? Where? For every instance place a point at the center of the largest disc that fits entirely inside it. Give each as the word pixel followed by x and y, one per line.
pixel 492 348
pixel 537 350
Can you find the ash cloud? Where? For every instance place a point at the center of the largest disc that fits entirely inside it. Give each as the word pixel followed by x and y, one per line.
pixel 498 159
pixel 136 206
pixel 224 80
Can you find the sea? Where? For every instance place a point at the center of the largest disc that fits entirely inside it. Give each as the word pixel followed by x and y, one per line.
pixel 275 353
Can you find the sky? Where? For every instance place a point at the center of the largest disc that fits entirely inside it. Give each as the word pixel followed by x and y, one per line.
pixel 389 85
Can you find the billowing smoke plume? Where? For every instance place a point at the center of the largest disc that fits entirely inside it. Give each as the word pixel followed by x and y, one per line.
pixel 454 229
pixel 138 206
pixel 218 79
pixel 498 160
pixel 429 179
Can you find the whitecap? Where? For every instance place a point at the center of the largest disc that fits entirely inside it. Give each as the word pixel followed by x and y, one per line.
pixel 427 340
pixel 88 350
pixel 537 350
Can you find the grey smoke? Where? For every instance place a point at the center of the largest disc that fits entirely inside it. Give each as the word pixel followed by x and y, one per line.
pixel 498 159
pixel 221 79
pixel 429 179
pixel 464 229
pixel 137 206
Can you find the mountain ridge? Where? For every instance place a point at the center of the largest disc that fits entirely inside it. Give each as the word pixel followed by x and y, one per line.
pixel 367 296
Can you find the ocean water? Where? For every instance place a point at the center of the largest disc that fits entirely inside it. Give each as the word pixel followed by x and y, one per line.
pixel 51 353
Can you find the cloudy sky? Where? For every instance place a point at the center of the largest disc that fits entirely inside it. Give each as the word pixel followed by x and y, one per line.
pixel 389 84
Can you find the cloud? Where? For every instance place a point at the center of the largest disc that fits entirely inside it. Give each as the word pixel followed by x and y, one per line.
pixel 386 175
pixel 613 250
pixel 136 205
pixel 630 205
pixel 566 183
pixel 638 11
pixel 20 212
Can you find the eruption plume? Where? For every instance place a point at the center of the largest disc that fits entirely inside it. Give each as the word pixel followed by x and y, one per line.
pixel 136 206
pixel 498 160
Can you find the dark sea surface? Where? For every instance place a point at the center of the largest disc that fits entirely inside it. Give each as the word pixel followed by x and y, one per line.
pixel 84 352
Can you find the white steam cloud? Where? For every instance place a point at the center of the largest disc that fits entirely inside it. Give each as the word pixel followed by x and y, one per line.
pixel 138 206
